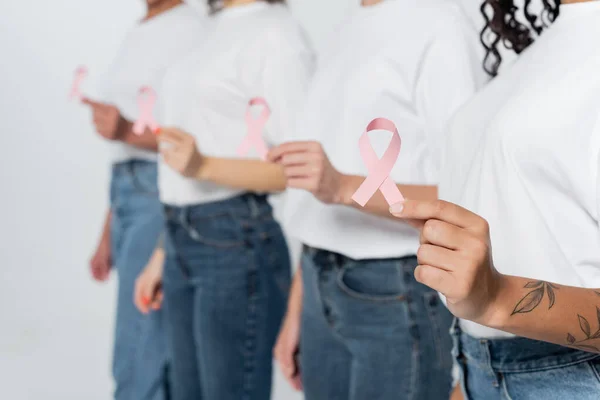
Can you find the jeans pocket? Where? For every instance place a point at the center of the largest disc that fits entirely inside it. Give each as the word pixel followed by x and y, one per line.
pixel 374 282
pixel 219 231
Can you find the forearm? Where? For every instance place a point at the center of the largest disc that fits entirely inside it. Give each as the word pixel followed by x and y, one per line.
pixel 145 141
pixel 296 292
pixel 106 226
pixel 252 175
pixel 377 205
pixel 563 315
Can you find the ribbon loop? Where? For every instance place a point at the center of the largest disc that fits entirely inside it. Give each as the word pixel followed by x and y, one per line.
pixel 379 169
pixel 80 74
pixel 255 128
pixel 146 101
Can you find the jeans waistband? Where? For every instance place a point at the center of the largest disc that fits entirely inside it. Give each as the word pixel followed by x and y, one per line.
pixel 326 257
pixel 130 167
pixel 516 354
pixel 248 205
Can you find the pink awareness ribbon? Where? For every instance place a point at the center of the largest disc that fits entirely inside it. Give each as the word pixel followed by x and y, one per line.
pixel 255 128
pixel 146 101
pixel 379 169
pixel 80 74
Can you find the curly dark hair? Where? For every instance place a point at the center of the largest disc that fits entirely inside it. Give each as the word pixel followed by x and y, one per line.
pixel 216 5
pixel 501 26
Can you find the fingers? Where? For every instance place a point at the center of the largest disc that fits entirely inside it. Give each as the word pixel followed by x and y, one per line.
pixel 437 256
pixel 172 136
pixel 138 296
pixel 297 159
pixel 277 152
pixel 303 171
pixel 100 270
pixel 296 382
pixel 436 278
pixel 308 184
pixel 89 102
pixel 440 210
pixel 158 299
pixel 444 234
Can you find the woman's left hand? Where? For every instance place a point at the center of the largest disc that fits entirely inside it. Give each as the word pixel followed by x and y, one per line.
pixel 455 257
pixel 182 153
pixel 307 167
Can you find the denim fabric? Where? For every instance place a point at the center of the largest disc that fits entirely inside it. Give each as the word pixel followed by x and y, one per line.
pixel 139 360
pixel 226 282
pixel 524 369
pixel 371 331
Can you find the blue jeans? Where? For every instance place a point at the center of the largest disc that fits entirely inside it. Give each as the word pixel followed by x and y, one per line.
pixel 226 283
pixel 139 360
pixel 371 331
pixel 524 369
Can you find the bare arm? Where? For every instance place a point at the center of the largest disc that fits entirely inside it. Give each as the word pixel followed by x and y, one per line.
pixel 307 167
pixel 181 154
pixel 296 293
pixel 145 141
pixel 568 316
pixel 111 125
pixel 253 175
pixel 455 258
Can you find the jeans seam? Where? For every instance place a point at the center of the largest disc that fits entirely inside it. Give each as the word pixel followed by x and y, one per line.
pixel 251 322
pixel 435 329
pixel 505 388
pixel 594 371
pixel 414 374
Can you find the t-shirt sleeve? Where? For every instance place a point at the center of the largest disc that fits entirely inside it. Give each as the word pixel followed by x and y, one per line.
pixel 450 74
pixel 286 74
pixel 595 166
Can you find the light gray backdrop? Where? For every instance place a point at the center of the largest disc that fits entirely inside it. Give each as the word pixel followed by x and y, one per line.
pixel 55 323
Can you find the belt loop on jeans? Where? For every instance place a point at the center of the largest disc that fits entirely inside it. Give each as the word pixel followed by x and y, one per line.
pixel 253 206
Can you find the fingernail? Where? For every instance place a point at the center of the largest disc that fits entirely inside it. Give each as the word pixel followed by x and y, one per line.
pixel 145 300
pixel 397 208
pixel 157 131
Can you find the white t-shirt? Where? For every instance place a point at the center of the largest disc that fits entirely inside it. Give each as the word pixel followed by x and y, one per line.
pixel 148 50
pixel 382 63
pixel 524 155
pixel 254 50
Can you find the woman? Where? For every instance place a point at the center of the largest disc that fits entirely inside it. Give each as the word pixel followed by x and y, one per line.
pixel 365 329
pixel 227 271
pixel 169 30
pixel 524 154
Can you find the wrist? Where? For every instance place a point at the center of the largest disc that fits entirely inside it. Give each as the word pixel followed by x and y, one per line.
pixel 498 310
pixel 344 191
pixel 204 171
pixel 124 130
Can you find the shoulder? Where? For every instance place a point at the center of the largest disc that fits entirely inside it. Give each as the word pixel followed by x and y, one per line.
pixel 186 18
pixel 279 28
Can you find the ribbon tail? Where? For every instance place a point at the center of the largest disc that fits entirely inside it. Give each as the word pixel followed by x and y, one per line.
pixel 244 147
pixel 139 127
pixel 390 192
pixel 262 149
pixel 366 190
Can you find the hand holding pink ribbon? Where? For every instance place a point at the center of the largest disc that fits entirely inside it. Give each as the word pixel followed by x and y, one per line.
pixel 80 74
pixel 146 102
pixel 255 129
pixel 379 169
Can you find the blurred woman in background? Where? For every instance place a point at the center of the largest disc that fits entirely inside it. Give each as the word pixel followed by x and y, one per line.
pixel 169 30
pixel 525 155
pixel 365 329
pixel 227 270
